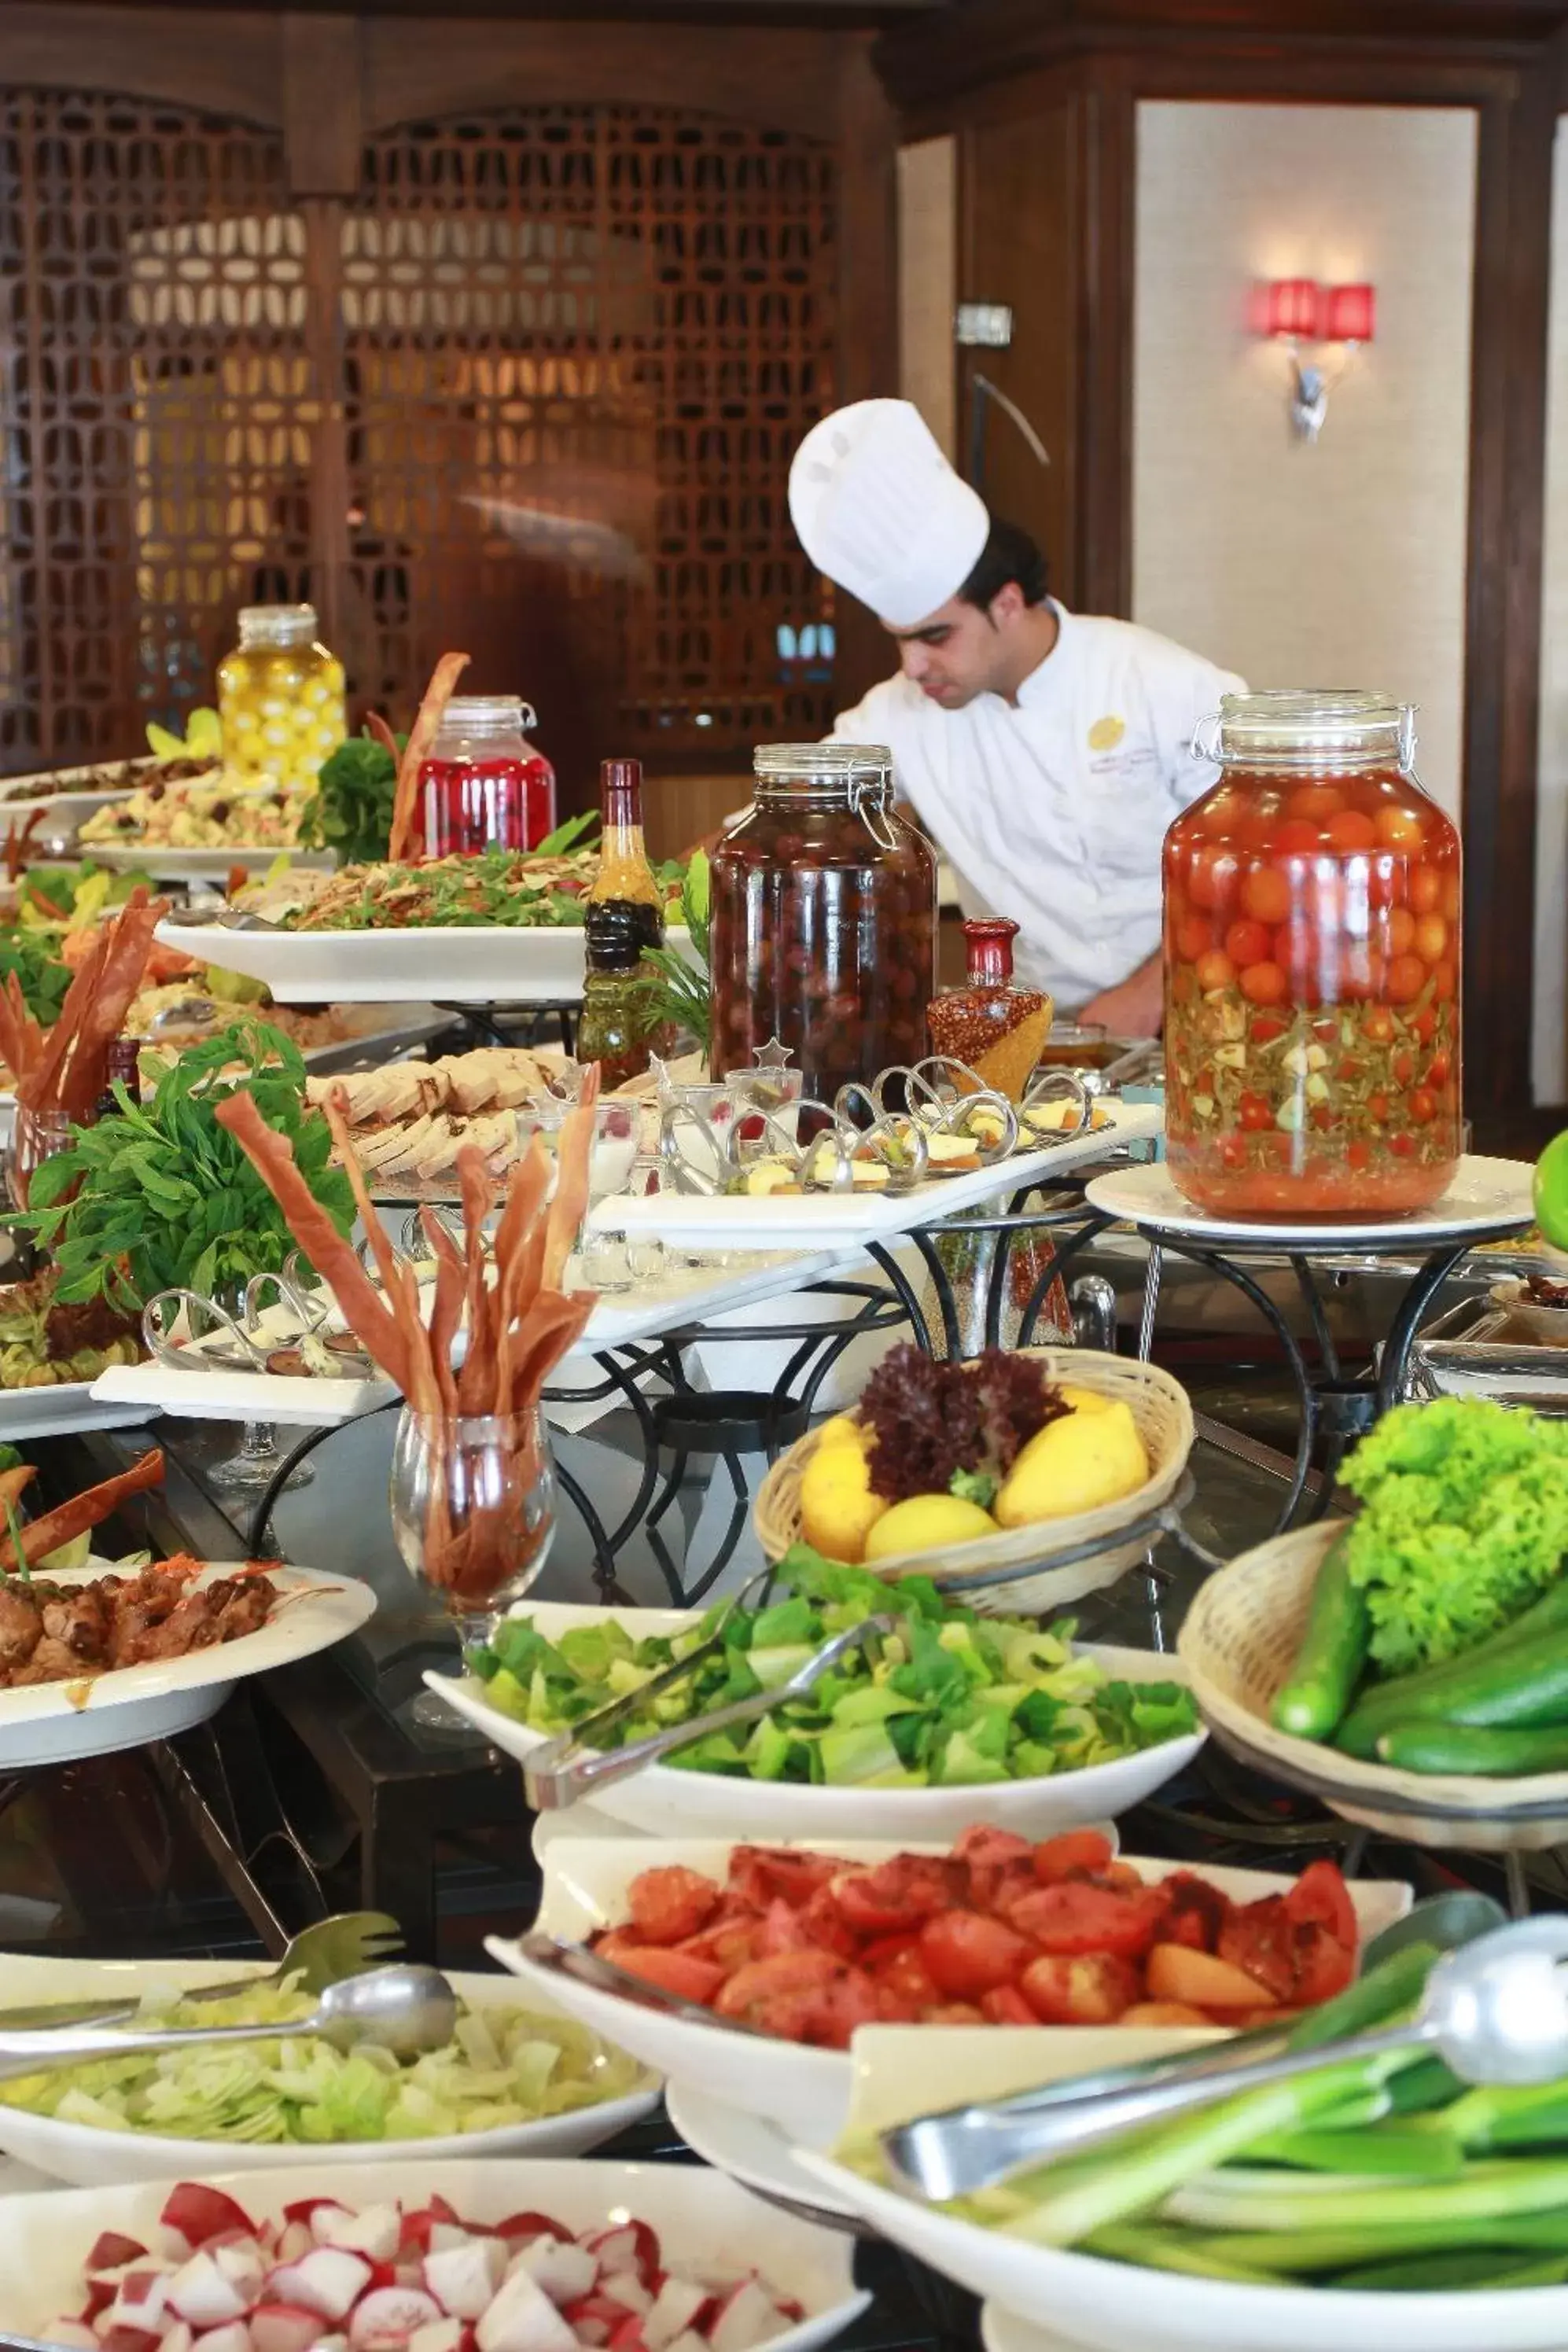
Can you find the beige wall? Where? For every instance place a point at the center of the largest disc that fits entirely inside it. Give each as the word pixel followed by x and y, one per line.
pixel 928 278
pixel 1549 1054
pixel 1338 565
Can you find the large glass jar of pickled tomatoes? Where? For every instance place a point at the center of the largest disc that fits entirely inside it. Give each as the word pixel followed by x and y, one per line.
pixel 1313 966
pixel 823 919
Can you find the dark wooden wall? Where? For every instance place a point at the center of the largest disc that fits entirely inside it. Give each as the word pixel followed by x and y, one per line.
pixel 740 212
pixel 1042 96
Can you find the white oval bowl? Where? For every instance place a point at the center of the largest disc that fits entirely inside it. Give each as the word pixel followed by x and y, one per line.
pixel 702 2221
pixel 665 1802
pixel 88 2157
pixel 806 2092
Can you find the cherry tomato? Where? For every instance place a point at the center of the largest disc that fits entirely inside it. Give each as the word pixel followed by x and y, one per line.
pixel 669 1903
pixel 681 1973
pixel 1297 837
pixel 1431 937
pixel 1265 1029
pixel 1377 1022
pixel 1211 879
pixel 1266 895
pixel 1422 1107
pixel 1400 828
pixel 1245 943
pixel 1006 2006
pixel 1398 929
pixel 1425 890
pixel 1404 980
pixel 1233 1152
pixel 1255 1115
pixel 1194 938
pixel 1437 1070
pixel 1377 1107
pixel 1255 830
pixel 1451 900
pixel 1220 812
pixel 1444 982
pixel 1263 983
pixel 1315 803
pixel 1185 986
pixel 1216 971
pixel 1403 1066
pixel 1360 968
pixel 1357 1154
pixel 1078 1916
pixel 1425 1025
pixel 968 1954
pixel 1402 1146
pixel 1072 1854
pixel 1351 829
pixel 1089 1989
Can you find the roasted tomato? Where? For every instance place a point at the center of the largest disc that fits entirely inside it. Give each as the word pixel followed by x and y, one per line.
pixel 758 1872
pixel 896 1894
pixel 1320 1894
pixel 669 1904
pixel 970 1955
pixel 1075 1849
pixel 1080 1989
pixel 1079 1916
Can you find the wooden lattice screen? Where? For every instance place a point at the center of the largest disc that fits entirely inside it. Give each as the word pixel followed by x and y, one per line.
pixel 534 391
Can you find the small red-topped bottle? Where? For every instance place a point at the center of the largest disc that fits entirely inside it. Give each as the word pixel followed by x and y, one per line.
pixel 990 1023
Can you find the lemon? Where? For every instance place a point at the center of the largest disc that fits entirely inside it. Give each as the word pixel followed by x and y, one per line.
pixel 926 1523
pixel 73 1553
pixel 837 1508
pixel 842 1431
pixel 1075 1463
pixel 1084 1399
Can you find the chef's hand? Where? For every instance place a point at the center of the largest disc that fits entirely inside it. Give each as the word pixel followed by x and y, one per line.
pixel 1135 1007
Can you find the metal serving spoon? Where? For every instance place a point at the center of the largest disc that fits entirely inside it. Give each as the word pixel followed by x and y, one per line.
pixel 406 2009
pixel 1496 2010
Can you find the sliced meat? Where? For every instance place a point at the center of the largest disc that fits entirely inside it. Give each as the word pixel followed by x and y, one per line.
pixel 21 1629
pixel 81 1618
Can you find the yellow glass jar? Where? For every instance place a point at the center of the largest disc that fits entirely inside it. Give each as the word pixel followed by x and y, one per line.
pixel 280 698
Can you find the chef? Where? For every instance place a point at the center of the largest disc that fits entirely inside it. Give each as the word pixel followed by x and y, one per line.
pixel 1044 751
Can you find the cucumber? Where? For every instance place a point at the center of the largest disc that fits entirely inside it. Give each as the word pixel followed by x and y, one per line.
pixel 1422 1747
pixel 1331 1655
pixel 1485 1686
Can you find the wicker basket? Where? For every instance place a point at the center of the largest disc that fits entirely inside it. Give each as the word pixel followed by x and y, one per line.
pixel 1238 1644
pixel 1164 1417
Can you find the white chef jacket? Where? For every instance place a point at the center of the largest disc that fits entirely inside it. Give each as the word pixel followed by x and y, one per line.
pixel 1053 811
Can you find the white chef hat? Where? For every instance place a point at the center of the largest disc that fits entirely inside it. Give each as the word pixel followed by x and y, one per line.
pixel 880 511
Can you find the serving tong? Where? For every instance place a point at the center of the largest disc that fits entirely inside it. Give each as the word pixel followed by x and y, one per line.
pixel 573 1766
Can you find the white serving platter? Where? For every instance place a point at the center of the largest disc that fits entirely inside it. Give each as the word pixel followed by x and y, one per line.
pixel 703 2221
pixel 825 1220
pixel 489 963
pixel 65 794
pixel 88 2157
pixel 167 863
pixel 57 1723
pixel 669 1803
pixel 805 2093
pixel 1486 1196
pixel 69 1405
pixel 751 2148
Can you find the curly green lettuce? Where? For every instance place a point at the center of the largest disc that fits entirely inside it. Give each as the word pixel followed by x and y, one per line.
pixel 1464 1524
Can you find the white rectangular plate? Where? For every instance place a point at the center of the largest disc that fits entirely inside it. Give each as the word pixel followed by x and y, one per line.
pixel 170 865
pixel 819 1220
pixel 483 964
pixel 70 1405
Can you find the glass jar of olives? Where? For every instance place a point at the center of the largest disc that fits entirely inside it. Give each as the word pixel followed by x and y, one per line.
pixel 823 919
pixel 280 698
pixel 1312 904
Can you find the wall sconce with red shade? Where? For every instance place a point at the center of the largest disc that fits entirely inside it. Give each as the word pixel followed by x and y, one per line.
pixel 1298 311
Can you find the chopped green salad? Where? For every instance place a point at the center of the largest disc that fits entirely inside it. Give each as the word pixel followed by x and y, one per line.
pixel 502 2066
pixel 951 1699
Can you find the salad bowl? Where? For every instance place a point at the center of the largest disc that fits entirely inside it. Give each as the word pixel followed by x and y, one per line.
pixel 701 2221
pixel 806 2092
pixel 664 1800
pixel 90 2153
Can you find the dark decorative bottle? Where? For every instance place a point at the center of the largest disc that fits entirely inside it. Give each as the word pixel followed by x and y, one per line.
pixel 624 915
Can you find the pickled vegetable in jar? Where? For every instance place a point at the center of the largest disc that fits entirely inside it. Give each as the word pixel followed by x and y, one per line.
pixel 280 698
pixel 1312 917
pixel 823 919
pixel 991 1025
pixel 482 784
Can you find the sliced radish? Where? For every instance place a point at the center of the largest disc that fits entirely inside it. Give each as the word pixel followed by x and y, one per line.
pixel 439 2336
pixel 525 2225
pixel 71 2331
pixel 463 2279
pixel 139 2300
pixel 595 2332
pixel 627 2336
pixel 745 2317
pixel 626 2288
pixel 177 2338
pixel 566 2272
pixel 523 2318
pixel 293 2240
pixel 329 2280
pixel 284 2327
pixel 198 2213
pixel 376 2233
pixel 675 2308
pixel 631 2246
pixel 113 2251
pixel 385 2319
pixel 204 2296
pixel 235 2338
pixel 690 2342
pixel 127 2339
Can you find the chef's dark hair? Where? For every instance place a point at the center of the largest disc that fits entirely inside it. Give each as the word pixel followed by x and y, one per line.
pixel 1009 554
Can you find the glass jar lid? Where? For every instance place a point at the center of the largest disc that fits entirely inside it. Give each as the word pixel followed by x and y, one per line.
pixel 828 767
pixel 276 624
pixel 473 717
pixel 1308 727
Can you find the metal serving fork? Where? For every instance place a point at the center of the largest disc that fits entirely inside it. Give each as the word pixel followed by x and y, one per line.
pixel 318 1956
pixel 570 1768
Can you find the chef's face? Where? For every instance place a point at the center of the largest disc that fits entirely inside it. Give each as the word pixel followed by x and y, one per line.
pixel 961 650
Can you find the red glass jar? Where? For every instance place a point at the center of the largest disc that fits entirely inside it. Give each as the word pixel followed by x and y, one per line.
pixel 823 919
pixel 482 784
pixel 1312 909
